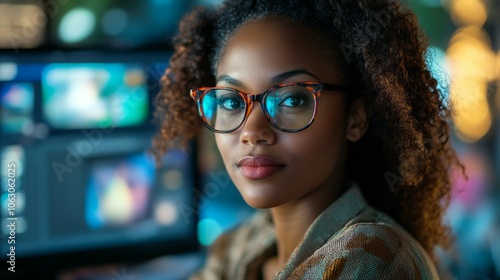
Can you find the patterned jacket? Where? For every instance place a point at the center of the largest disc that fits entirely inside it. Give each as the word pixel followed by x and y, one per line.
pixel 348 240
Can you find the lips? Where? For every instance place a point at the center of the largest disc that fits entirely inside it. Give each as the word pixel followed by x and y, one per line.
pixel 258 167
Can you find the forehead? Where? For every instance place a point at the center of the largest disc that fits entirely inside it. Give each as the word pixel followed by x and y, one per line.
pixel 259 50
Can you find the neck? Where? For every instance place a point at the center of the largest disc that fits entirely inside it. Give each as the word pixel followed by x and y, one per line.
pixel 290 226
pixel 292 220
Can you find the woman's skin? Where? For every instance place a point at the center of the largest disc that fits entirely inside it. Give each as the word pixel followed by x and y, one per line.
pixel 309 175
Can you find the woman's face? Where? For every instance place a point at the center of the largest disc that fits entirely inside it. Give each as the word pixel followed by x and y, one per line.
pixel 268 166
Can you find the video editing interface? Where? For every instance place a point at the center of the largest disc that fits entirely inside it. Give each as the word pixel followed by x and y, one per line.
pixel 78 134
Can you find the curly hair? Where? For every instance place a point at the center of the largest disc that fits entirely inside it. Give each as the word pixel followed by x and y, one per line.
pixel 403 162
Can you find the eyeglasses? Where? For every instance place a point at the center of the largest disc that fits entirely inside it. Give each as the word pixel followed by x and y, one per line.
pixel 289 107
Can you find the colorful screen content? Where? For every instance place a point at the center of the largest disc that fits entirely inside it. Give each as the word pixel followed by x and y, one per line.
pixel 89 95
pixel 16 110
pixel 118 190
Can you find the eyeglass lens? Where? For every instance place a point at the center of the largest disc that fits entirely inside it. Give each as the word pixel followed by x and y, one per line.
pixel 287 108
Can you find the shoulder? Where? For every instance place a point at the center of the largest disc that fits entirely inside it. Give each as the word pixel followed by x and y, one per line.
pixel 231 252
pixel 254 232
pixel 371 249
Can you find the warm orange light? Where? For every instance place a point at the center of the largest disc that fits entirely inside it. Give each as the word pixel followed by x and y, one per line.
pixel 468 12
pixel 472 115
pixel 472 64
pixel 21 26
pixel 471 32
pixel 470 54
pixel 497 98
pixel 498 67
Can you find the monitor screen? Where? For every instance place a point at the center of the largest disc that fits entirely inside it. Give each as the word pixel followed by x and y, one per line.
pixel 118 190
pixel 16 109
pixel 86 95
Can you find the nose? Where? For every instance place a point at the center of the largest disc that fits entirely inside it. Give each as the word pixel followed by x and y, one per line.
pixel 256 129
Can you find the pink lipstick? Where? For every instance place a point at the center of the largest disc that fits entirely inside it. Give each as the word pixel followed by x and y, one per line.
pixel 258 167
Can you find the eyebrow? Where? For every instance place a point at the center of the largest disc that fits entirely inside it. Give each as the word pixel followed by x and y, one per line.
pixel 286 75
pixel 229 80
pixel 275 80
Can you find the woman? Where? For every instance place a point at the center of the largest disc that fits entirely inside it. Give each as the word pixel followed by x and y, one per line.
pixel 324 113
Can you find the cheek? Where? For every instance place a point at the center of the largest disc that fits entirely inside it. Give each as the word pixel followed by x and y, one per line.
pixel 322 145
pixel 224 143
pixel 318 147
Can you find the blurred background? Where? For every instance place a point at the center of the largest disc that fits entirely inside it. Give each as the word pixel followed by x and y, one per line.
pixel 77 80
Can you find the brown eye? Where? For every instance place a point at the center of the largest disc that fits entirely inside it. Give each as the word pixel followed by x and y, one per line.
pixel 292 101
pixel 231 103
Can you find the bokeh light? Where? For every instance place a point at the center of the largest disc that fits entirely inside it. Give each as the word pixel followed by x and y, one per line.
pixel 208 231
pixel 472 114
pixel 114 22
pixel 472 65
pixel 22 26
pixel 76 25
pixel 468 12
pixel 8 71
pixel 173 179
pixel 498 67
pixel 470 53
pixel 165 213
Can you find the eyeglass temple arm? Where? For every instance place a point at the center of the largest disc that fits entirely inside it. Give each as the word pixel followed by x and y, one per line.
pixel 334 87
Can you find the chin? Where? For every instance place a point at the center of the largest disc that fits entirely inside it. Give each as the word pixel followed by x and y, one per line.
pixel 265 194
pixel 263 201
pixel 260 204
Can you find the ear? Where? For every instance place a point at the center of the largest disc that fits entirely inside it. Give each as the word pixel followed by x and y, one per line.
pixel 357 120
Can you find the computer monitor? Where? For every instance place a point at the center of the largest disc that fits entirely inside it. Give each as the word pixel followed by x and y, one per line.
pixel 87 190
